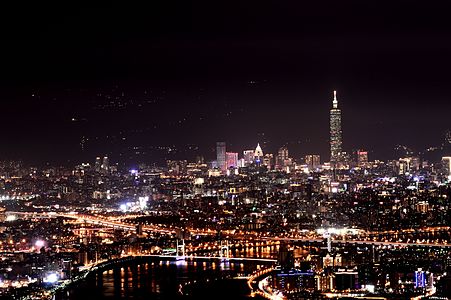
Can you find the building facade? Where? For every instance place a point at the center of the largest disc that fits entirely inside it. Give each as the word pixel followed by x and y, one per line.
pixel 281 158
pixel 232 160
pixel 258 154
pixel 336 149
pixel 313 161
pixel 362 158
pixel 221 156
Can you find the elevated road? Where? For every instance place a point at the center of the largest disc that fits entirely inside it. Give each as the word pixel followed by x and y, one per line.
pixel 361 242
pixel 115 224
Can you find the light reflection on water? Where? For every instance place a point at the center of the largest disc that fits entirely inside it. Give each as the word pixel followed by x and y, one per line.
pixel 163 279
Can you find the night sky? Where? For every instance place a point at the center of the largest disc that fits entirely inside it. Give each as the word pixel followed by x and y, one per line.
pixel 132 79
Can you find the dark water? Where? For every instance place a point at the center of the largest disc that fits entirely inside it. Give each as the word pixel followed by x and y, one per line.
pixel 166 280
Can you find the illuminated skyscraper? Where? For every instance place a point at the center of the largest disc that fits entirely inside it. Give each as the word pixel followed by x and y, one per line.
pixel 221 156
pixel 248 156
pixel 231 159
pixel 362 158
pixel 283 153
pixel 446 163
pixel 313 161
pixel 258 154
pixel 335 133
pixel 281 158
pixel 105 167
pixel 98 164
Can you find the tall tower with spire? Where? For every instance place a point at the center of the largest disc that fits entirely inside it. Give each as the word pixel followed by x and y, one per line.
pixel 335 133
pixel 258 154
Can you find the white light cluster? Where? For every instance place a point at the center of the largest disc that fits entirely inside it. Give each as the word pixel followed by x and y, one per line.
pixel 337 231
pixel 51 278
pixel 134 206
pixel 10 218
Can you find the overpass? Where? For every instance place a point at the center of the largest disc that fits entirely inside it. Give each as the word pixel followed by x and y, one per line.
pixel 361 242
pixel 90 219
pixel 103 221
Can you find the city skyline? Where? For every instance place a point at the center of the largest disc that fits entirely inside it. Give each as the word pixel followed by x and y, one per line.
pixel 279 150
pixel 190 151
pixel 157 82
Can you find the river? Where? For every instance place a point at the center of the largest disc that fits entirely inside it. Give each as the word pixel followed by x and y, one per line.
pixel 199 279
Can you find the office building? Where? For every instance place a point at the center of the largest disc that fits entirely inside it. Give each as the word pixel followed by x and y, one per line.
pixel 221 156
pixel 312 161
pixel 105 167
pixel 281 158
pixel 335 134
pixel 248 157
pixel 446 166
pixel 98 164
pixel 362 158
pixel 232 160
pixel 268 161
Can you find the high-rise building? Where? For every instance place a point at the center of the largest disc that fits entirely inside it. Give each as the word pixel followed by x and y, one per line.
pixel 232 159
pixel 446 166
pixel 283 153
pixel 313 161
pixel 408 165
pixel 258 154
pixel 221 156
pixel 199 160
pixel 98 164
pixel 448 137
pixel 105 165
pixel 268 160
pixel 362 158
pixel 281 158
pixel 248 156
pixel 403 165
pixel 177 166
pixel 335 133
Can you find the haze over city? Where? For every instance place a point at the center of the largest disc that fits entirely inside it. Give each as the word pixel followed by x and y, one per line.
pixel 167 75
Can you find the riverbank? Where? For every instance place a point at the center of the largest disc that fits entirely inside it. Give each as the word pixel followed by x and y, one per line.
pixel 140 277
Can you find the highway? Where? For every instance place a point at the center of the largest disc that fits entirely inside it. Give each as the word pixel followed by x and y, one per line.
pixel 104 221
pixel 361 242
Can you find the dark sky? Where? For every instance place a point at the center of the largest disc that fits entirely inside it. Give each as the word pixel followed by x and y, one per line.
pixel 181 72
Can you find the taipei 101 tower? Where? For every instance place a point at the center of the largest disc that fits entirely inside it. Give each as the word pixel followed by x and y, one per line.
pixel 335 134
